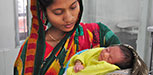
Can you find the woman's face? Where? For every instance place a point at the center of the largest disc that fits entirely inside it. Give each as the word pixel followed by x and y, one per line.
pixel 112 55
pixel 63 14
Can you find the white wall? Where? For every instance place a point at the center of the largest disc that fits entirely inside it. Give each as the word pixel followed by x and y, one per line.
pixel 151 13
pixel 8 50
pixel 144 40
pixel 7 59
pixel 89 11
pixel 7 31
pixel 111 12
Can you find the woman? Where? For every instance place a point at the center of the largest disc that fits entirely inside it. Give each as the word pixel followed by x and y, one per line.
pixel 48 48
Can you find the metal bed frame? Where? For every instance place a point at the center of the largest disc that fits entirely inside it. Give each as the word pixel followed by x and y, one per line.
pixel 150 29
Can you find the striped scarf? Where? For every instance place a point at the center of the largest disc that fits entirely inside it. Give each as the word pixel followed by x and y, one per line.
pixel 30 58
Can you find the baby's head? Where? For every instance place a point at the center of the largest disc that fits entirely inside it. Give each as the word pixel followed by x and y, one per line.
pixel 119 55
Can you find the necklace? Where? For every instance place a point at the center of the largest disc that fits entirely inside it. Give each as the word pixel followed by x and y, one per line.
pixel 53 38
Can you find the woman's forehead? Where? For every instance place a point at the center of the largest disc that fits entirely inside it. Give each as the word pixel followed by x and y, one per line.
pixel 61 3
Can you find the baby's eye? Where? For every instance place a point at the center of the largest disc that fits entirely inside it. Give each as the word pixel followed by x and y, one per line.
pixel 107 50
pixel 110 59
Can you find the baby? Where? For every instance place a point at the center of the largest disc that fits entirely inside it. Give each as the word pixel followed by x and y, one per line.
pixel 101 60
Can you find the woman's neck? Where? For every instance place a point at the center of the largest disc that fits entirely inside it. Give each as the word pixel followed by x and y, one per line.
pixel 53 36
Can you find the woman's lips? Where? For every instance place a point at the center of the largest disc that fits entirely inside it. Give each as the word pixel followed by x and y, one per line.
pixel 69 25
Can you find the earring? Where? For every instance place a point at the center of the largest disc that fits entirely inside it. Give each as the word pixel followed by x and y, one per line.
pixel 46 23
pixel 49 25
pixel 44 19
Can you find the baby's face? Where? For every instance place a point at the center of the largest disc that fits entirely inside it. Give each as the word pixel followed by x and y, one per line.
pixel 111 55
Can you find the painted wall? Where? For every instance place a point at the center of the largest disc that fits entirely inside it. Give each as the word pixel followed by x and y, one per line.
pixel 7 59
pixel 111 12
pixel 151 13
pixel 8 52
pixel 7 31
pixel 144 41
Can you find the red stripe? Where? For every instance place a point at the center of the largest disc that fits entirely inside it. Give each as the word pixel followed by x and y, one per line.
pixel 33 8
pixel 33 35
pixel 35 26
pixel 32 46
pixel 29 70
pixel 30 57
pixel 35 16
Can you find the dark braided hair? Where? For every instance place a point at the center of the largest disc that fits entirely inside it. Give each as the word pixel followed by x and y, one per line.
pixel 128 57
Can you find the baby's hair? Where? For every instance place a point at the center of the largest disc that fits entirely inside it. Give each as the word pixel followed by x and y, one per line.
pixel 128 57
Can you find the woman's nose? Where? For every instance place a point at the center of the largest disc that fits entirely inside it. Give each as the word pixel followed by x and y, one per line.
pixel 68 17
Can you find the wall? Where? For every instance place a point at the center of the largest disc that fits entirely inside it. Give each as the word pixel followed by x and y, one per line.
pixel 7 59
pixel 111 12
pixel 89 11
pixel 7 24
pixel 151 13
pixel 8 50
pixel 144 41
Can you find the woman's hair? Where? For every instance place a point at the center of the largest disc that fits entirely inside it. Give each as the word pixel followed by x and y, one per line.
pixel 128 58
pixel 45 3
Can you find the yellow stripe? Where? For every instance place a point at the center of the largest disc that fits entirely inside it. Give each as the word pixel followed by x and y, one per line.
pixel 29 64
pixel 66 44
pixel 67 54
pixel 31 52
pixel 19 65
pixel 90 35
pixel 33 30
pixel 32 40
pixel 104 40
pixel 55 65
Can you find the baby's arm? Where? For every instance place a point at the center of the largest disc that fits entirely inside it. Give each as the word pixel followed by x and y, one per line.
pixel 78 66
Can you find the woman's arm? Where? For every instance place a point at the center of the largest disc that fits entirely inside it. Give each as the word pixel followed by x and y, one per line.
pixel 107 37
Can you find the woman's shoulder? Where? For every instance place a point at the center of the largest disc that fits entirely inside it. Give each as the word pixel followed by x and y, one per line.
pixel 93 25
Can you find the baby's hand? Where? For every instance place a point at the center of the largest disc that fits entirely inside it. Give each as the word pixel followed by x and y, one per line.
pixel 78 66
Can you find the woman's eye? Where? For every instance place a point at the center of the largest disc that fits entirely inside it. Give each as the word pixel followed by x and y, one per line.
pixel 73 6
pixel 58 12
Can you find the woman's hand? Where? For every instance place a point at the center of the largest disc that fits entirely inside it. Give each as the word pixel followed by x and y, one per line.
pixel 78 66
